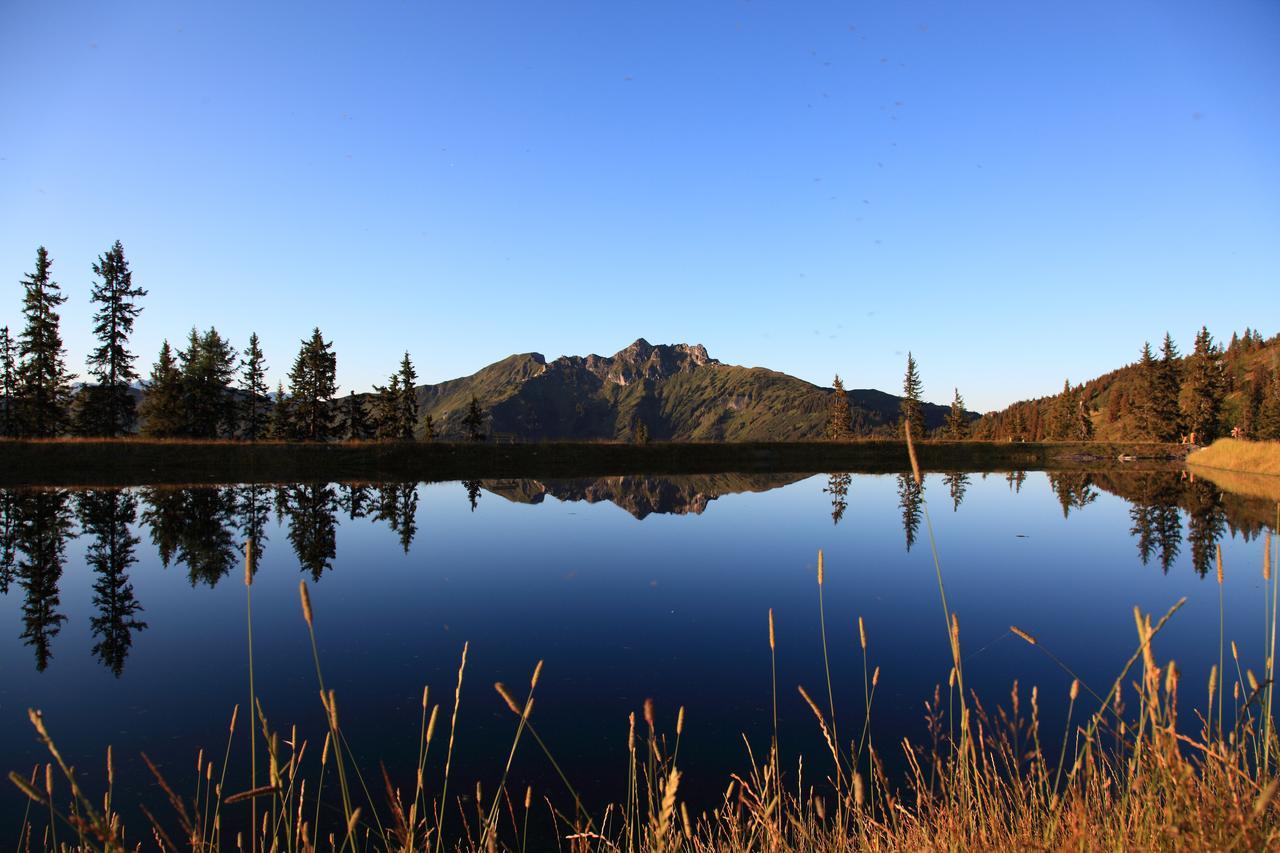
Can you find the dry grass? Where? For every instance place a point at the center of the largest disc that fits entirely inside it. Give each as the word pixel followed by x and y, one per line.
pixel 1131 770
pixel 1232 454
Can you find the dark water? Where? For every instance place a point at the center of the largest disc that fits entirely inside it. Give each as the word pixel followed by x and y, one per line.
pixel 124 614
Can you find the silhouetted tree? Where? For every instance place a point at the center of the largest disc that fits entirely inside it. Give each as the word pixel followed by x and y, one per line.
pixel 44 525
pixel 194 527
pixel 8 384
pixel 911 407
pixel 957 425
pixel 162 410
pixel 387 409
pixel 106 515
pixel 252 512
pixel 1147 419
pixel 473 492
pixel 44 385
pixel 208 365
pixel 281 424
pixel 254 390
pixel 839 417
pixel 352 498
pixel 1204 388
pixel 473 421
pixel 312 384
pixel 407 409
pixel 1166 417
pixel 1269 410
pixel 8 538
pixel 355 421
pixel 1206 522
pixel 107 408
pixel 398 506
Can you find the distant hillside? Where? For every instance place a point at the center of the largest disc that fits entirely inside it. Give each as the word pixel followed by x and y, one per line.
pixel 1248 362
pixel 678 391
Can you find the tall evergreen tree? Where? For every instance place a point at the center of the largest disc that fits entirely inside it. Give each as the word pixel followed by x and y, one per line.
pixel 387 409
pixel 106 516
pixel 1146 420
pixel 253 386
pixel 355 421
pixel 912 410
pixel 1269 411
pixel 1166 417
pixel 282 426
pixel 108 407
pixel 1204 388
pixel 1254 393
pixel 839 418
pixel 312 384
pixel 8 384
pixel 163 405
pixel 473 421
pixel 1062 414
pixel 44 385
pixel 407 415
pixel 208 367
pixel 957 426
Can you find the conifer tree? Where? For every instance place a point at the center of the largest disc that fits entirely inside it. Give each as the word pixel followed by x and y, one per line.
pixel 839 419
pixel 1255 392
pixel 1062 414
pixel 281 423
pixel 44 385
pixel 163 415
pixel 1166 417
pixel 208 366
pixel 108 407
pixel 355 421
pixel 387 402
pixel 253 385
pixel 1082 425
pixel 912 410
pixel 1146 420
pixel 1015 424
pixel 1204 388
pixel 473 421
pixel 312 384
pixel 8 384
pixel 407 410
pixel 1269 412
pixel 957 426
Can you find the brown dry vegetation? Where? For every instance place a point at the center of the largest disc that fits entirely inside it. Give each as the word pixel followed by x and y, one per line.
pixel 1246 457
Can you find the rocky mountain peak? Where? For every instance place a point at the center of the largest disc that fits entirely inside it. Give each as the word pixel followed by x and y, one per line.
pixel 643 360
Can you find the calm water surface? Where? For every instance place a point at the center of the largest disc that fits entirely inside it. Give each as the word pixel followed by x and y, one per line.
pixel 124 611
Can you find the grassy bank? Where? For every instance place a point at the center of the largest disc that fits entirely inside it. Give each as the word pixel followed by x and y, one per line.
pixel 138 462
pixel 1134 767
pixel 1256 458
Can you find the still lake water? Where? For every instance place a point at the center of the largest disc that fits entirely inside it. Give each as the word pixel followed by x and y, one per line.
pixel 124 617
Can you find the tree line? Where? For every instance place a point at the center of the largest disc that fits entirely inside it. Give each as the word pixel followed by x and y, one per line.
pixel 843 424
pixel 206 390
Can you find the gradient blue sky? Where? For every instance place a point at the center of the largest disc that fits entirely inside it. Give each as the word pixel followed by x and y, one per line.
pixel 1016 191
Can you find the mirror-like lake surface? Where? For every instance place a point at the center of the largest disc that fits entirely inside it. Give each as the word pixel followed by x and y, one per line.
pixel 124 613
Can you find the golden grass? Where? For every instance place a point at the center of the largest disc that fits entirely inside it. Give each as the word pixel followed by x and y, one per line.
pixel 1247 457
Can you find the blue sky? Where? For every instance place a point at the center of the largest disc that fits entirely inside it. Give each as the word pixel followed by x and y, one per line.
pixel 1017 191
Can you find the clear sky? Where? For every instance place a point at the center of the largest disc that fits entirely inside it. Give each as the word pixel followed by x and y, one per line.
pixel 1018 192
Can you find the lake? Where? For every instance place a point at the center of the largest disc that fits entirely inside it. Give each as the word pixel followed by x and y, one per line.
pixel 124 615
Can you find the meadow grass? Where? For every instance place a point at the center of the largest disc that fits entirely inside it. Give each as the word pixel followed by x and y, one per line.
pixel 1129 770
pixel 1246 457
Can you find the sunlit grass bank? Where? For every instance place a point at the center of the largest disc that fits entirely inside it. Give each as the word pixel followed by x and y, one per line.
pixel 1244 457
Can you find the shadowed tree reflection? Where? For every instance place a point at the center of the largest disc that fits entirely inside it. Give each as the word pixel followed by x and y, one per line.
pixel 8 538
pixel 398 507
pixel 910 498
pixel 44 525
pixel 312 510
pixel 473 492
pixel 1074 490
pixel 838 488
pixel 1206 523
pixel 106 515
pixel 1015 479
pixel 252 514
pixel 957 485
pixel 194 527
pixel 353 499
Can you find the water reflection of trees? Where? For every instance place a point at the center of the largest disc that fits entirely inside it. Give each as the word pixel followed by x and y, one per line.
pixel 195 528
pixel 838 488
pixel 1015 479
pixel 44 524
pixel 106 516
pixel 398 506
pixel 1074 490
pixel 910 500
pixel 312 510
pixel 473 492
pixel 957 484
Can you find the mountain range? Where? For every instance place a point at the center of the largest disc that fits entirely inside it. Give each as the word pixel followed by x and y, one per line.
pixel 678 391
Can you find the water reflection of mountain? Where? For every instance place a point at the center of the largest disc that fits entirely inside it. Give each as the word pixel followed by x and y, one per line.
pixel 640 495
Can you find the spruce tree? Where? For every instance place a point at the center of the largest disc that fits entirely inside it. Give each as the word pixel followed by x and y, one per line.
pixel 208 366
pixel 957 426
pixel 253 386
pixel 1166 416
pixel 1269 412
pixel 407 410
pixel 8 384
pixel 1255 392
pixel 1062 414
pixel 109 406
pixel 281 426
pixel 387 402
pixel 473 421
pixel 312 384
pixel 839 418
pixel 1144 411
pixel 912 410
pixel 1204 388
pixel 355 421
pixel 163 412
pixel 44 385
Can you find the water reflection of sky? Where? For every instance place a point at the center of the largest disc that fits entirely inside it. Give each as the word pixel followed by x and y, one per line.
pixel 671 607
